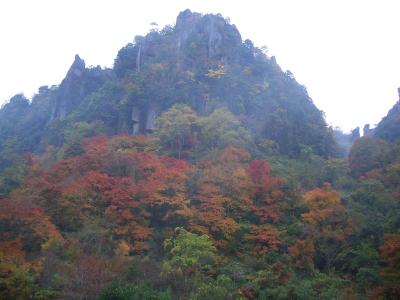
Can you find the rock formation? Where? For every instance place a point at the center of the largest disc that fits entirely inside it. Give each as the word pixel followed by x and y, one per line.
pixel 368 131
pixel 216 31
pixel 389 127
pixel 68 93
pixel 77 84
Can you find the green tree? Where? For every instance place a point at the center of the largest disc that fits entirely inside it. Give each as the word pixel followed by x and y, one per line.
pixel 221 129
pixel 189 252
pixel 174 129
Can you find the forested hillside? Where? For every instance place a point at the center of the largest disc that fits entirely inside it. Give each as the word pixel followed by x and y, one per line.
pixel 195 168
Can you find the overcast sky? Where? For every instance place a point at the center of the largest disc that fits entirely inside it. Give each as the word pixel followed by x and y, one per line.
pixel 346 52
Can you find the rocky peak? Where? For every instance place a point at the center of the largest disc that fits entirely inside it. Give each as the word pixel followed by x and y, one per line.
pixel 217 30
pixel 186 19
pixel 68 92
pixel 74 73
pixel 78 64
pixel 355 134
pixel 77 84
pixel 194 37
pixel 77 67
pixel 367 130
pixel 389 127
pixel 398 92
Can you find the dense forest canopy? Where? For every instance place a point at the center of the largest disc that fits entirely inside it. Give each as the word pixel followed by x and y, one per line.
pixel 195 168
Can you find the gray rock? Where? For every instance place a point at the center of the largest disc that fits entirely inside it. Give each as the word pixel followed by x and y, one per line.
pixel 368 131
pixel 77 84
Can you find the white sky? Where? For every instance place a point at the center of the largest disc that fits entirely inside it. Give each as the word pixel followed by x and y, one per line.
pixel 346 52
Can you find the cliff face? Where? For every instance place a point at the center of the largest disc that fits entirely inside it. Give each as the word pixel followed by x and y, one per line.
pixel 77 84
pixel 70 90
pixel 389 127
pixel 219 35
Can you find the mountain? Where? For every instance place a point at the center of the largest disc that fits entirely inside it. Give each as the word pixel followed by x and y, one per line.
pixel 197 169
pixel 203 62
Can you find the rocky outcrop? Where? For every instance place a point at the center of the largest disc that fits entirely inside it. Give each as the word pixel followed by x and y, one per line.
pixel 388 128
pixel 151 116
pixel 186 24
pixel 144 119
pixel 355 134
pixel 77 84
pixel 217 38
pixel 68 92
pixel 138 57
pixel 213 31
pixel 135 120
pixel 368 131
pixel 214 28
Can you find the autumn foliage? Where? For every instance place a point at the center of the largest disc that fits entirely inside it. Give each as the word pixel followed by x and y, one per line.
pixel 88 216
pixel 390 253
